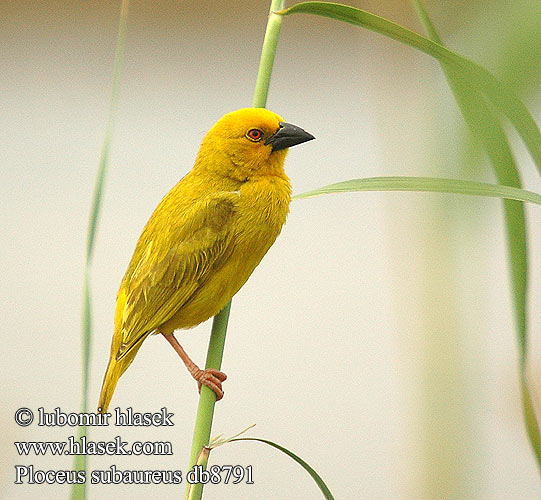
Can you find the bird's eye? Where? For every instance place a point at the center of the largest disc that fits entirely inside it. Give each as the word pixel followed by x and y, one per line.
pixel 255 135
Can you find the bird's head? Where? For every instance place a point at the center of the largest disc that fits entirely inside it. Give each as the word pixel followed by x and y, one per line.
pixel 248 142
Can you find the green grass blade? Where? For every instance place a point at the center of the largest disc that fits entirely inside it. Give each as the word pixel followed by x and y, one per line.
pixel 486 127
pixel 519 56
pixel 315 476
pixel 472 74
pixel 432 184
pixel 532 426
pixel 104 156
pixel 78 491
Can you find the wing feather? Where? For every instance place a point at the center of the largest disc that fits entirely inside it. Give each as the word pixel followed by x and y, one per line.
pixel 162 277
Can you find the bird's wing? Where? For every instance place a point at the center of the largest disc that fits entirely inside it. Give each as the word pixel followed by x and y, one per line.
pixel 165 276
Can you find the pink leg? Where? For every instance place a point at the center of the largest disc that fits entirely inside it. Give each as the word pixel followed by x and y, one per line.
pixel 210 377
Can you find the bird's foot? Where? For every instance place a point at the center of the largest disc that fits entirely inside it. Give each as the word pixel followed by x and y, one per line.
pixel 212 378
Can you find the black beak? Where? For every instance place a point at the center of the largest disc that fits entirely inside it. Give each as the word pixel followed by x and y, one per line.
pixel 288 135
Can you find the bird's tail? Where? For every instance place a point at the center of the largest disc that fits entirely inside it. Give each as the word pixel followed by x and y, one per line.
pixel 116 367
pixel 114 370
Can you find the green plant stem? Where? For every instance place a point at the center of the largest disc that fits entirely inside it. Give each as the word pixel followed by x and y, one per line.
pixel 207 399
pixel 78 491
pixel 205 410
pixel 268 52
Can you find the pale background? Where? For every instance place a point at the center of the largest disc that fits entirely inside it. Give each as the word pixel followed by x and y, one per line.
pixel 375 339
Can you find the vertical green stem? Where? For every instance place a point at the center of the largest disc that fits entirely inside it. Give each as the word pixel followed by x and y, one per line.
pixel 78 491
pixel 268 51
pixel 207 399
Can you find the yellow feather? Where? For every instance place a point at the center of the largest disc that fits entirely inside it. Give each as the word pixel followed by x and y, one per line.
pixel 205 237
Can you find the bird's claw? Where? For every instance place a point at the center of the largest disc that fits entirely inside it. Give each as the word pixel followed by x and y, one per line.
pixel 213 379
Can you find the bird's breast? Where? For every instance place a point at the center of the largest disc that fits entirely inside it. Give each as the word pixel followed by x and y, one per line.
pixel 263 204
pixel 260 212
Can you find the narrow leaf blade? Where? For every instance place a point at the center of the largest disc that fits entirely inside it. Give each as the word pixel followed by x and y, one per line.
pixel 426 184
pixel 486 127
pixel 472 74
pixel 78 491
pixel 315 476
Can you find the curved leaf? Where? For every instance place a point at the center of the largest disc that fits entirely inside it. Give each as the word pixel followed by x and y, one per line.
pixel 486 127
pixel 315 476
pixel 432 184
pixel 472 74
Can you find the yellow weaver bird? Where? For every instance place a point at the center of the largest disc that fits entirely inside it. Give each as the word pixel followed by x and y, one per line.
pixel 205 238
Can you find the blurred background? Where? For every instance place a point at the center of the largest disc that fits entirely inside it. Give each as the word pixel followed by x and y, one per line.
pixel 376 339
